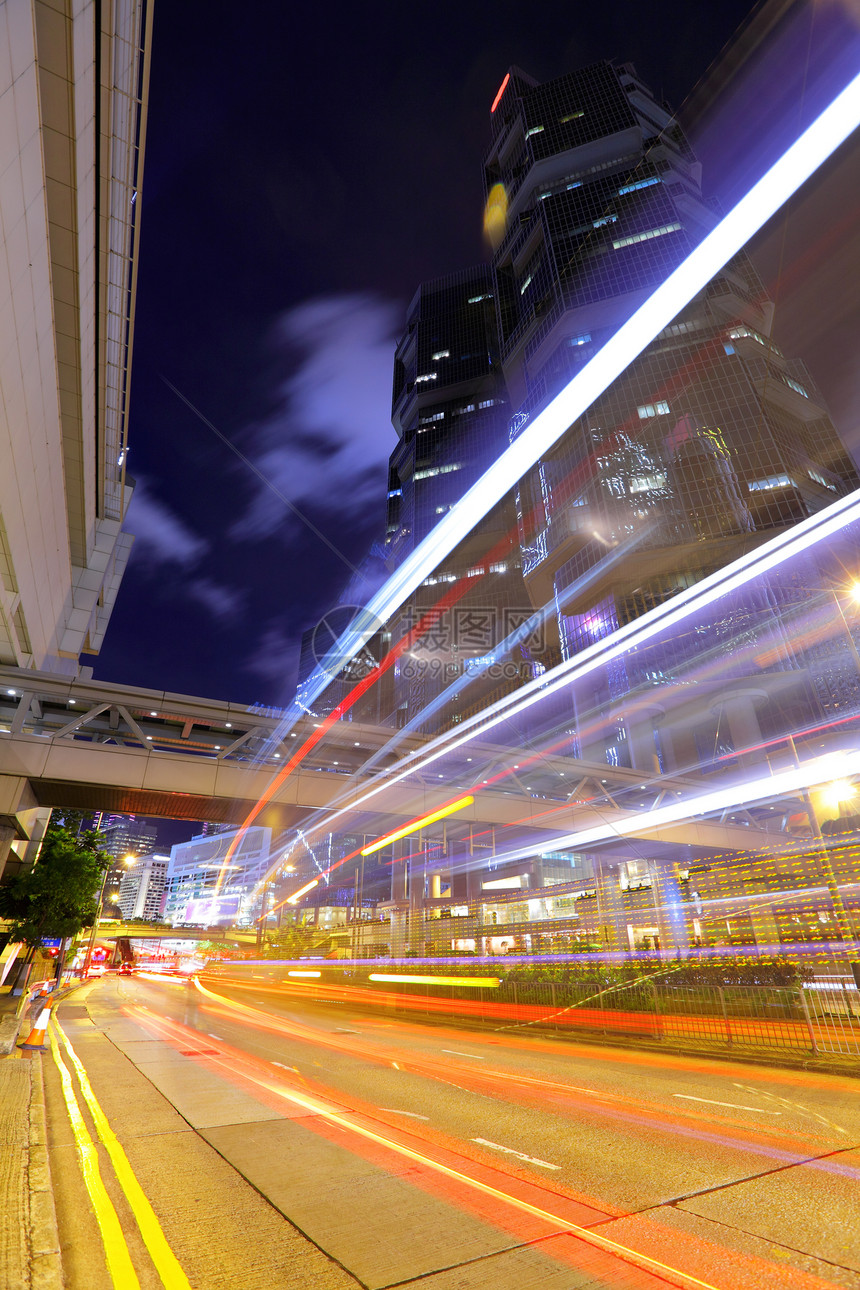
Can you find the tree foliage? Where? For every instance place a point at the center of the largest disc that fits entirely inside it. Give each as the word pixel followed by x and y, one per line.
pixel 295 939
pixel 59 895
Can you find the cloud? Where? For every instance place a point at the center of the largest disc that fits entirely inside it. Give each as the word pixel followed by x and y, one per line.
pixel 326 445
pixel 223 602
pixel 275 660
pixel 161 537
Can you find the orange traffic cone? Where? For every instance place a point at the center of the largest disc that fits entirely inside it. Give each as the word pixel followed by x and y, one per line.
pixel 35 1041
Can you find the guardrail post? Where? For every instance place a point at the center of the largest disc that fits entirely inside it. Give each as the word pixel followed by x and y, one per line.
pixel 553 1002
pixel 722 995
pixel 658 1014
pixel 805 1006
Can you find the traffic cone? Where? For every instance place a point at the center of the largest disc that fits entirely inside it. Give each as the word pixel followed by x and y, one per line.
pixel 35 1041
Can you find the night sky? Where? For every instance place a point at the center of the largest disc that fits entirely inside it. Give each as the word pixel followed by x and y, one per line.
pixel 306 168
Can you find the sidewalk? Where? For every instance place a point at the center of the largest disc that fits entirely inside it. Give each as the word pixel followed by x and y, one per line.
pixel 29 1241
pixel 221 1229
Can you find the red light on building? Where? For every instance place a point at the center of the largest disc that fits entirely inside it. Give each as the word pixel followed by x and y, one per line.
pixel 502 88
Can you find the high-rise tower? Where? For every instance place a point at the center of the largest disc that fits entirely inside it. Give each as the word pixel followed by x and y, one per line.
pixel 712 438
pixel 451 412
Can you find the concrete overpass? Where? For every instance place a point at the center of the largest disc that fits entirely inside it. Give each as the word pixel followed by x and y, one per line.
pixel 110 931
pixel 89 745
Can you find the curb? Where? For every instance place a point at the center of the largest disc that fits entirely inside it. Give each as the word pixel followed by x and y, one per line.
pixel 46 1265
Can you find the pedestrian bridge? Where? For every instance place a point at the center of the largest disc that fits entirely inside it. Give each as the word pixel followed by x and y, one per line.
pixel 89 745
pixel 110 930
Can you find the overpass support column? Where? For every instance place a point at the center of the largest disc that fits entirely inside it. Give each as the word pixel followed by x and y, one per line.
pixel 669 906
pixel 737 712
pixel 641 743
pixel 16 797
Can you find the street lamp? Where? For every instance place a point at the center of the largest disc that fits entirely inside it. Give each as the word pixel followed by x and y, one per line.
pixel 127 860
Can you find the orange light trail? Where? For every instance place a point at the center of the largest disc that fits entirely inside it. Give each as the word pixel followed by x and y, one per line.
pixel 500 92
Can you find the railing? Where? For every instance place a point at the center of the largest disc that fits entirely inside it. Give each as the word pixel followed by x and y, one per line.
pixel 814 1019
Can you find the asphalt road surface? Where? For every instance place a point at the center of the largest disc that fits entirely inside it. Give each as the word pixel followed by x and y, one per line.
pixel 284 1141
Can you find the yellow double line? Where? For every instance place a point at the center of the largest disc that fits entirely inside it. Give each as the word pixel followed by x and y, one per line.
pixel 117 1253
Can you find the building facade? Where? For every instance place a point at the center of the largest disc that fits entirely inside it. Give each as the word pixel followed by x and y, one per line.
pixel 194 893
pixel 141 890
pixel 122 837
pixel 73 98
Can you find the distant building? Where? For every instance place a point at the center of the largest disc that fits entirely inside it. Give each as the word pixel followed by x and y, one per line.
pixel 121 836
pixel 142 887
pixel 193 892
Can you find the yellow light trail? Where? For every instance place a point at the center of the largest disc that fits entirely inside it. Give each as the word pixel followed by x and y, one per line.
pixel 473 982
pixel 166 1263
pixel 119 1263
pixel 291 900
pixel 344 1120
pixel 418 824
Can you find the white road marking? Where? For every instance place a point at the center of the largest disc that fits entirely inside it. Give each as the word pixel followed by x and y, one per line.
pixel 342 1030
pixel 284 1067
pixel 509 1151
pixel 213 1036
pixel 688 1097
pixel 413 1115
pixel 455 1053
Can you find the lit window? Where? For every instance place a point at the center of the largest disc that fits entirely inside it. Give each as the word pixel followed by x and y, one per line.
pixel 795 385
pixel 499 567
pixel 641 183
pixel 582 339
pixel 526 283
pixel 476 300
pixel 431 471
pixel 646 237
pixel 772 481
pixel 659 409
pixel 571 116
pixel 442 353
pixel 426 421
pixel 459 412
pixel 730 349
pixel 819 479
pixel 429 376
pixel 740 332
pixel 396 492
pixel 536 129
pixel 605 219
pixel 644 483
pixel 487 403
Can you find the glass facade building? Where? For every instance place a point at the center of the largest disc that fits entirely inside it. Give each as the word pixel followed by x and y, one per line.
pixel 712 439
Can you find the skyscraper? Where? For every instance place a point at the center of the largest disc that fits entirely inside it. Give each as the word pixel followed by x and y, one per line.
pixel 142 887
pixel 121 836
pixel 709 442
pixel 451 412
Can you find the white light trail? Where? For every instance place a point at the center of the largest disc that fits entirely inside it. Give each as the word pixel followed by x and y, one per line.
pixel 818 142
pixel 808 774
pixel 785 546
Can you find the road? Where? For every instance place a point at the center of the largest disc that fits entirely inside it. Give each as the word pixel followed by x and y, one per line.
pixel 285 1141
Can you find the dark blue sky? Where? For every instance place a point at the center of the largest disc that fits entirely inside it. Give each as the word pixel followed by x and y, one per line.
pixel 305 170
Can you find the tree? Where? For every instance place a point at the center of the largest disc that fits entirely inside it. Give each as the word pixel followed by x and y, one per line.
pixel 59 895
pixel 294 939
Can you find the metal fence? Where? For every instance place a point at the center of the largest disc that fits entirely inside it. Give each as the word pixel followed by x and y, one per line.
pixel 817 1018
